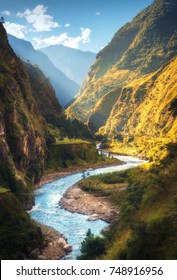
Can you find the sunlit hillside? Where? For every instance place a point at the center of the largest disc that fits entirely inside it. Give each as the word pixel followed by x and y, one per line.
pixel 137 49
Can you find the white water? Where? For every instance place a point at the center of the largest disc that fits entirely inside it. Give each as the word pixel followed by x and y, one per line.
pixel 72 225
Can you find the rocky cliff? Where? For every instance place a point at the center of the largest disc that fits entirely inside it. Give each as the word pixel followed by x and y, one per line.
pixel 22 140
pixel 23 150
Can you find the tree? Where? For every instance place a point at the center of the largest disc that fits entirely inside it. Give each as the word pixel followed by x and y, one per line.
pixel 92 247
pixel 2 20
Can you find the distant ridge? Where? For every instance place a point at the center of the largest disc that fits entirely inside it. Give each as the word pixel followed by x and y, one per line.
pixel 74 63
pixel 65 89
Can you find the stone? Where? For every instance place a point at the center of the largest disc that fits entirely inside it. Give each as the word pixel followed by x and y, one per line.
pixel 35 253
pixel 28 205
pixel 93 217
pixel 42 257
pixel 67 248
pixel 61 242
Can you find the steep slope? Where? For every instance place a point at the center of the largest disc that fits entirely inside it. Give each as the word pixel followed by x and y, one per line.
pixel 22 127
pixel 22 155
pixel 146 224
pixel 147 106
pixel 43 93
pixel 139 48
pixel 65 89
pixel 74 63
pixel 100 113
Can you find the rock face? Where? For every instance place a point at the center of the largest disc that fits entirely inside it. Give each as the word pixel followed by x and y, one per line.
pixel 136 50
pixel 23 151
pixel 22 142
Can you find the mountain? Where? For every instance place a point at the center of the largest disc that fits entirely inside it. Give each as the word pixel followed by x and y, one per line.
pixel 138 49
pixel 27 100
pixel 43 93
pixel 74 63
pixel 65 89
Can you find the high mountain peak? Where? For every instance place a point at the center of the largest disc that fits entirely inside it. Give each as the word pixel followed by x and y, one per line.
pixel 138 48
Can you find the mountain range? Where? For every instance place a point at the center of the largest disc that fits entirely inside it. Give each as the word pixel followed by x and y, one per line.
pixel 131 88
pixel 73 63
pixel 65 88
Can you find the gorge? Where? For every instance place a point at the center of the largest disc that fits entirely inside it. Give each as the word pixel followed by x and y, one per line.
pixel 128 102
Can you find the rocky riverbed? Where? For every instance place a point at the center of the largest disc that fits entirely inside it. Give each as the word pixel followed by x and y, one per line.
pixel 97 207
pixel 55 247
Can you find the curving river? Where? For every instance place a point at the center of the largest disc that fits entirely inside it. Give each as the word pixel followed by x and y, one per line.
pixel 72 225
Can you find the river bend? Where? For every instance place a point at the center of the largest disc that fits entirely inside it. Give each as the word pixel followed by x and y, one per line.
pixel 72 225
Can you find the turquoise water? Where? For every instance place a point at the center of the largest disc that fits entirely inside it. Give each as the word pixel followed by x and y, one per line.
pixel 72 225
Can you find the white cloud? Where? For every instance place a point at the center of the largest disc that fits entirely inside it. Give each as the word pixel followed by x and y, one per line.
pixel 15 29
pixel 64 39
pixel 67 25
pixel 98 14
pixel 85 38
pixel 6 13
pixel 53 40
pixel 38 18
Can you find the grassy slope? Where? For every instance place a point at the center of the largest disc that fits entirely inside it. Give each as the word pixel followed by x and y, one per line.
pixel 145 114
pixel 139 48
pixel 145 105
pixel 148 210
pixel 74 153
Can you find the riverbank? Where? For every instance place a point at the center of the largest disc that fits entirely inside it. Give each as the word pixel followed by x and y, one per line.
pixel 62 173
pixel 56 244
pixel 55 247
pixel 76 200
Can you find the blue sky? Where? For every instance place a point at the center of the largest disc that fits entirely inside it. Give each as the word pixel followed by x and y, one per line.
pixel 86 25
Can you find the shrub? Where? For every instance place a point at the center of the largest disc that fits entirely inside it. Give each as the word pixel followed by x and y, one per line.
pixel 92 247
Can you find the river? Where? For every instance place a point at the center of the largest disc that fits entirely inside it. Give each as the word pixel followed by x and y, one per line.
pixel 72 225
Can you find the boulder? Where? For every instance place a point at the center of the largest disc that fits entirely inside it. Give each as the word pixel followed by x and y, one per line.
pixel 35 253
pixel 67 248
pixel 61 242
pixel 42 257
pixel 93 217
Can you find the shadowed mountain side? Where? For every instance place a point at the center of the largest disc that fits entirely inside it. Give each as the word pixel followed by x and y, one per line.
pixel 43 92
pixel 74 63
pixel 65 89
pixel 102 110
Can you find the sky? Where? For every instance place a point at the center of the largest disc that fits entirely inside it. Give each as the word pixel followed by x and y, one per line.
pixel 86 25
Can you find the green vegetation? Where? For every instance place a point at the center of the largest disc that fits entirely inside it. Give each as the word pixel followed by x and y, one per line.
pixel 78 153
pixel 124 101
pixel 3 190
pixel 147 223
pixel 68 141
pixel 109 185
pixel 131 89
pixel 92 247
pixel 18 235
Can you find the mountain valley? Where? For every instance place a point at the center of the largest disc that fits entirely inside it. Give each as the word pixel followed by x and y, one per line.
pixel 126 106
